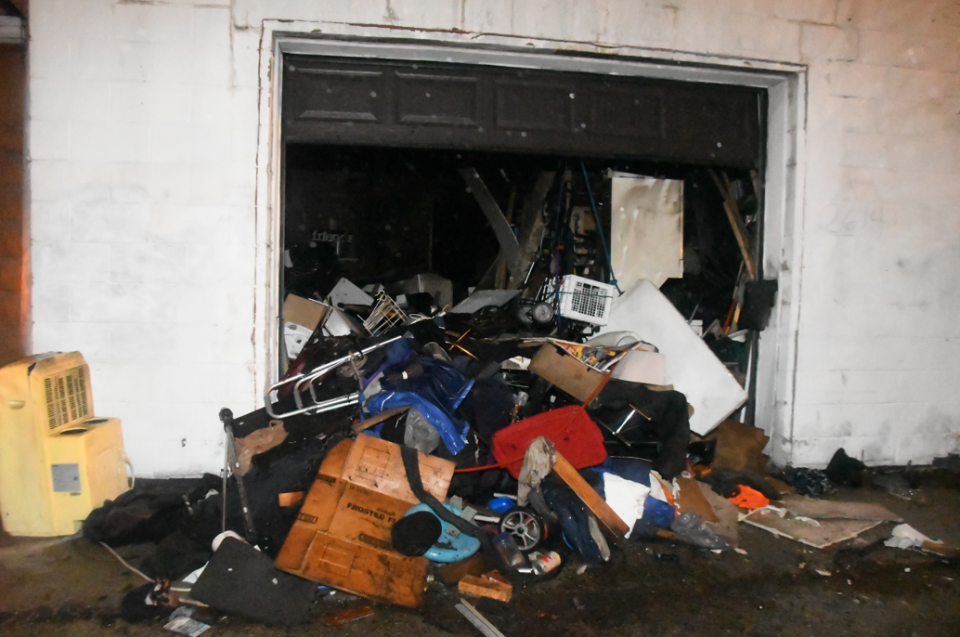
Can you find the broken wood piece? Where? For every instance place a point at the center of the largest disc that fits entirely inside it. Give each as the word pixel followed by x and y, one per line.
pixel 451 574
pixel 362 425
pixel 816 533
pixel 803 506
pixel 739 447
pixel 605 515
pixel 691 500
pixel 348 615
pixel 257 442
pixel 736 224
pixel 531 225
pixel 509 249
pixel 483 587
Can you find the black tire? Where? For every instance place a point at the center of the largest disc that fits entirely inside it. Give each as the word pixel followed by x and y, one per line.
pixel 525 526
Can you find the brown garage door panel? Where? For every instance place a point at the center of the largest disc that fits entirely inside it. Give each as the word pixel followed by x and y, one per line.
pixel 441 100
pixel 391 103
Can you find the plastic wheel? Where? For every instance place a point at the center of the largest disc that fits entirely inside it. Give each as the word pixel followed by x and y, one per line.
pixel 525 527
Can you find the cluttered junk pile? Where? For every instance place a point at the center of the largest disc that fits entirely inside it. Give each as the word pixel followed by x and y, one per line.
pixel 464 445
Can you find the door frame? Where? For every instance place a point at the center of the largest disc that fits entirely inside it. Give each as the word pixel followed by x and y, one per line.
pixel 783 172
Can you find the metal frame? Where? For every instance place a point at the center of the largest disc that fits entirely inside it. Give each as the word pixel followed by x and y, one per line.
pixel 318 407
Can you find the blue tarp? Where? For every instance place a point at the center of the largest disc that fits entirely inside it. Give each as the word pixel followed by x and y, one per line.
pixel 453 432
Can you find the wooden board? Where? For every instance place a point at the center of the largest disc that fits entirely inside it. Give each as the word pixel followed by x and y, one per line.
pixel 605 515
pixel 484 587
pixel 834 510
pixel 728 516
pixel 820 535
pixel 691 500
pixel 739 446
pixel 566 372
pixel 362 425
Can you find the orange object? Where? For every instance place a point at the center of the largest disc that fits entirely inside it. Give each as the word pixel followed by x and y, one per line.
pixel 749 498
pixel 290 499
pixel 349 615
pixel 486 587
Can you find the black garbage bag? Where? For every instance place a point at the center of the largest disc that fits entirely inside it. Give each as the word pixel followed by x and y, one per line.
pixel 658 415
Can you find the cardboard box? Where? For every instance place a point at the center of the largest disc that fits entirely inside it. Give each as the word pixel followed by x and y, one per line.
pixel 303 312
pixel 567 372
pixel 341 537
pixel 300 319
pixel 376 464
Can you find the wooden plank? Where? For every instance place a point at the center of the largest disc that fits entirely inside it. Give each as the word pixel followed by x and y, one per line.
pixel 605 515
pixel 691 500
pixel 481 587
pixel 737 225
pixel 362 425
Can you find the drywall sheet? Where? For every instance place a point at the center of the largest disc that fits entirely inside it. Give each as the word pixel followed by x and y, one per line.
pixel 816 533
pixel 691 367
pixel 646 227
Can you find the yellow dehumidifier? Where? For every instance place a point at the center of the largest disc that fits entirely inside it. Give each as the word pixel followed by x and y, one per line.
pixel 57 462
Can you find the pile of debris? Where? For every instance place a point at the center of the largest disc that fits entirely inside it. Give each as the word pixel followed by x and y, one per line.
pixel 411 440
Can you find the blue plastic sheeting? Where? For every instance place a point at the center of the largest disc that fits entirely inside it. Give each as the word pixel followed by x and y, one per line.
pixel 440 383
pixel 397 354
pixel 660 513
pixel 453 432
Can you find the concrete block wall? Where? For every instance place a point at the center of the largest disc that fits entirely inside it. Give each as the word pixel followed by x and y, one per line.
pixel 143 134
pixel 143 163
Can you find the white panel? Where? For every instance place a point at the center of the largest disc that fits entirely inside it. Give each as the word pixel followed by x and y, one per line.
pixel 646 227
pixel 692 368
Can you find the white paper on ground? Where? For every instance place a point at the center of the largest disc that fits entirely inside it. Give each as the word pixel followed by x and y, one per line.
pixel 905 536
pixel 182 621
pixel 626 498
pixel 692 368
pixel 646 226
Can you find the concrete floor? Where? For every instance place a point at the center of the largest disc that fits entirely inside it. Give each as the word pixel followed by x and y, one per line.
pixel 72 587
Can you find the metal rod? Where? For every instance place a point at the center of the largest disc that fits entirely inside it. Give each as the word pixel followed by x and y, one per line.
pixel 309 377
pixel 319 408
pixel 226 417
pixel 480 622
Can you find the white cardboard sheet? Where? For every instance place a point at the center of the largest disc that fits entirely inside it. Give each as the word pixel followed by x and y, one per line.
pixel 691 367
pixel 646 228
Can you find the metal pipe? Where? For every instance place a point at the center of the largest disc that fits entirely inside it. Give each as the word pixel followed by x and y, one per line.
pixel 309 377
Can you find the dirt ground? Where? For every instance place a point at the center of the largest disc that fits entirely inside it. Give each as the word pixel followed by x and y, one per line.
pixel 72 587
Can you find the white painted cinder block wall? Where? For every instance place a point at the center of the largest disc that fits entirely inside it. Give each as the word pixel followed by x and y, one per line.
pixel 143 124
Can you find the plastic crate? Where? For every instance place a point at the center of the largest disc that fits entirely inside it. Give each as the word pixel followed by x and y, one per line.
pixel 585 300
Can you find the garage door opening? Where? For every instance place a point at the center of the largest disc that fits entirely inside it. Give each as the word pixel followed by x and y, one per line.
pixel 410 222
pixel 384 162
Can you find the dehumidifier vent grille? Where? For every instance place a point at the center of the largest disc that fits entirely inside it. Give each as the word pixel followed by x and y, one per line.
pixel 66 396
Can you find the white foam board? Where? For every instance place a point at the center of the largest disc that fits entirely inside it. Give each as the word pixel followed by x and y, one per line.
pixel 692 368
pixel 646 229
